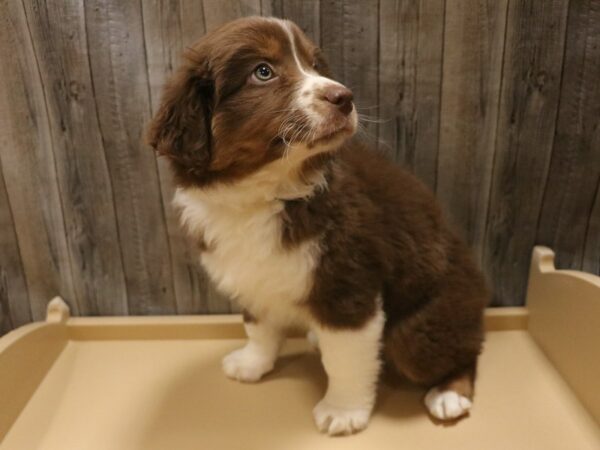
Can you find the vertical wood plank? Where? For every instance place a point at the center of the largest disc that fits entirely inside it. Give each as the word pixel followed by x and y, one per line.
pixel 304 13
pixel 350 39
pixel 591 256
pixel 30 177
pixel 218 12
pixel 533 60
pixel 60 45
pixel 169 27
pixel 361 56
pixel 469 99
pixel 119 75
pixel 332 35
pixel 410 76
pixel 5 323
pixel 473 45
pixel 575 166
pixel 14 297
pixel 271 8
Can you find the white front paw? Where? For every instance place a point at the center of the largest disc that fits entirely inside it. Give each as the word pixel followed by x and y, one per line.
pixel 446 405
pixel 246 365
pixel 335 420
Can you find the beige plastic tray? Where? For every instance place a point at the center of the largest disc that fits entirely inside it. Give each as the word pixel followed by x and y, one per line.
pixel 155 383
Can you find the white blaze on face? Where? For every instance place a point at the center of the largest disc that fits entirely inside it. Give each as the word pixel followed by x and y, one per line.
pixel 309 93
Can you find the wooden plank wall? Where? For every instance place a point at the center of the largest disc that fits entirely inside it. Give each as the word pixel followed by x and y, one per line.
pixel 495 104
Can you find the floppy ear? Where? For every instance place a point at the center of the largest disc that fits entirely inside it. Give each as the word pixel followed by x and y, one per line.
pixel 181 127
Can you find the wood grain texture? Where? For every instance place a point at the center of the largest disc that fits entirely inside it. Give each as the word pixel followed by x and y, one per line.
pixel 473 47
pixel 410 73
pixel 60 44
pixel 5 323
pixel 591 257
pixel 15 309
pixel 332 35
pixel 30 176
pixel 533 57
pixel 218 12
pixel 118 66
pixel 495 104
pixel 575 167
pixel 270 8
pixel 305 13
pixel 349 39
pixel 169 27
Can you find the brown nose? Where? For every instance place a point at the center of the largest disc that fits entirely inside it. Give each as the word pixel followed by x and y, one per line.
pixel 341 97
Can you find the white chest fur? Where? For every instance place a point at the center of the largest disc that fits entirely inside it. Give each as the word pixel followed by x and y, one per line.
pixel 245 257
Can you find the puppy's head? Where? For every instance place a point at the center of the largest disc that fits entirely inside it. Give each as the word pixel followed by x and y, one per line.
pixel 249 93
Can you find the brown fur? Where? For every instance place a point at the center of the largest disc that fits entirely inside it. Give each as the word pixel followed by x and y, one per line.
pixel 384 232
pixel 211 124
pixel 380 229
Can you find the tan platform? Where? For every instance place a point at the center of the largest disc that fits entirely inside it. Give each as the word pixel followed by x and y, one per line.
pixel 155 383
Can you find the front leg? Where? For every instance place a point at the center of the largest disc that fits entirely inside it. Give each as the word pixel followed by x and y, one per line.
pixel 257 357
pixel 351 360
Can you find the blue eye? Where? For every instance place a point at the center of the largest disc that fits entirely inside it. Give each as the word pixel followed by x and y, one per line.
pixel 263 72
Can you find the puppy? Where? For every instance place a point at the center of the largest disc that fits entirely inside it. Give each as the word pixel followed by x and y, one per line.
pixel 305 227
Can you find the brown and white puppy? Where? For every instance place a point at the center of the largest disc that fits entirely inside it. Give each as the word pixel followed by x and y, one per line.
pixel 305 227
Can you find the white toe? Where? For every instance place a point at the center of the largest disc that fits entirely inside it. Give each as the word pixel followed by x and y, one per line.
pixel 446 405
pixel 337 421
pixel 246 366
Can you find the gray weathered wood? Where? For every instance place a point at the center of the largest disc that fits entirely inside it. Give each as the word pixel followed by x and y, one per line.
pixel 30 176
pixel 349 38
pixel 591 257
pixel 271 8
pixel 575 168
pixel 218 12
pixel 332 35
pixel 533 58
pixel 15 309
pixel 5 322
pixel 410 72
pixel 304 13
pixel 60 45
pixel 118 66
pixel 171 26
pixel 473 44
pixel 468 95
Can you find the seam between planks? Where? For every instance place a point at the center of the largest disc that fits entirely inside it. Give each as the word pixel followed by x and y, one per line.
pixel 440 107
pixel 556 116
pixel 6 305
pixel 109 178
pixel 493 179
pixel 142 144
pixel 76 299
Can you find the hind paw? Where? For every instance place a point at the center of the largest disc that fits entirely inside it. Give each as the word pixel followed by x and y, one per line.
pixel 446 405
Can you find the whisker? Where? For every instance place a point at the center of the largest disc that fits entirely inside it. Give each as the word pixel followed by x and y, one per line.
pixel 284 110
pixel 371 120
pixel 298 132
pixel 358 107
